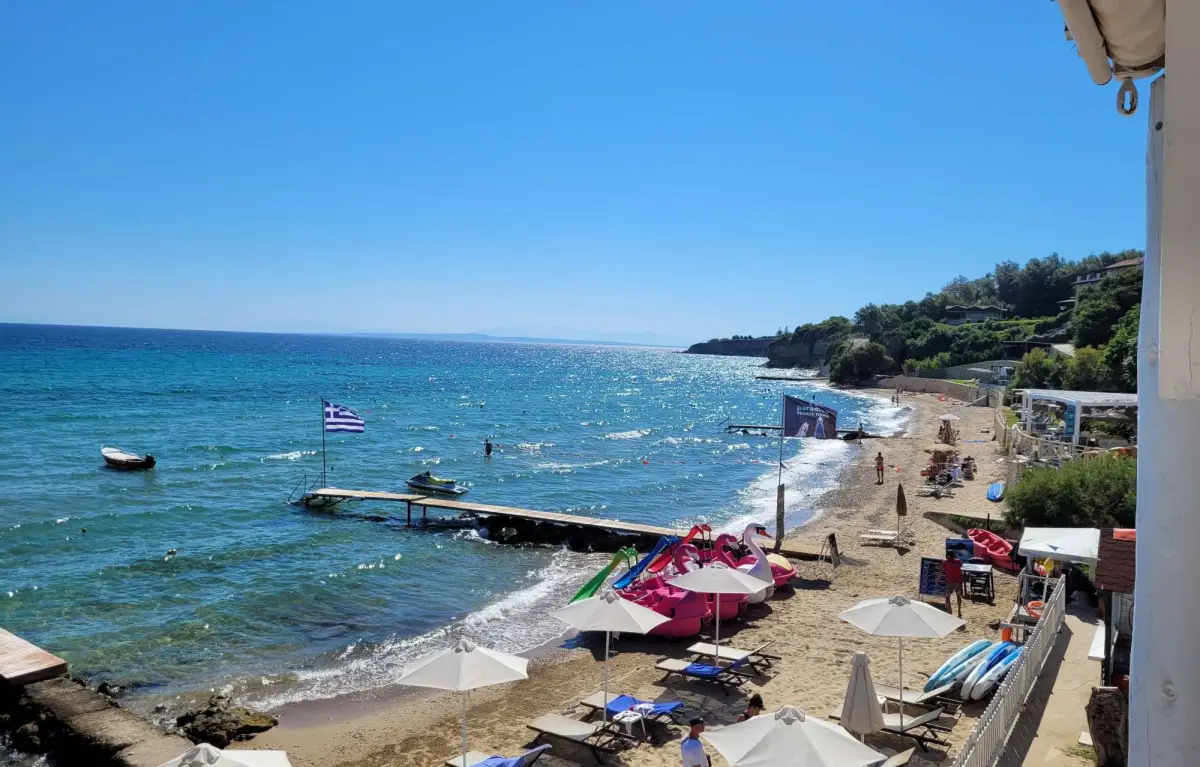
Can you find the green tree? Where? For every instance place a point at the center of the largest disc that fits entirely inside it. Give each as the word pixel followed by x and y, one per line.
pixel 1086 371
pixel 1120 355
pixel 1039 370
pixel 858 362
pixel 1101 492
pixel 1100 307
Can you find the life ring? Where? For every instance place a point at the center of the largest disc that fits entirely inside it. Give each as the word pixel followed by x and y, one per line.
pixel 1035 608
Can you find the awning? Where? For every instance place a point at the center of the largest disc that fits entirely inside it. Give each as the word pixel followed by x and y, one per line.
pixel 1062 544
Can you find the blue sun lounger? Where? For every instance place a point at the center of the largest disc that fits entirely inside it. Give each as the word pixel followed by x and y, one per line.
pixel 619 703
pixel 477 759
pixel 726 676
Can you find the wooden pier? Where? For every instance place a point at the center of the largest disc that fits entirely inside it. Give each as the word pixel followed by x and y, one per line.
pixel 507 523
pixel 799 379
pixel 22 663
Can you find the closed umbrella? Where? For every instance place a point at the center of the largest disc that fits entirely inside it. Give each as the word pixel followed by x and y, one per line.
pixel 608 612
pixel 861 712
pixel 901 617
pixel 718 578
pixel 205 755
pixel 901 504
pixel 790 736
pixel 464 667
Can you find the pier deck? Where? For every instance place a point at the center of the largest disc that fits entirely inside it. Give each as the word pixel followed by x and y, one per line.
pixel 429 502
pixel 22 663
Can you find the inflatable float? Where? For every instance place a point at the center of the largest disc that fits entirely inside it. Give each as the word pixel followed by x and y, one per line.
pixel 995 492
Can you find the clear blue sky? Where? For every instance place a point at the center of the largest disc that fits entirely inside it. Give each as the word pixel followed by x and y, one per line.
pixel 689 168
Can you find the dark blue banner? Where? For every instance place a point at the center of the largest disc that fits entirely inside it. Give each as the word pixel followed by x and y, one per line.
pixel 802 418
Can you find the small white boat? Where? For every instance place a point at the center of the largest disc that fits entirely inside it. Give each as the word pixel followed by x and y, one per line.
pixel 121 459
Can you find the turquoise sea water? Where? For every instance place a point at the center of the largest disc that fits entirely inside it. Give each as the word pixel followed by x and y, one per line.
pixel 278 603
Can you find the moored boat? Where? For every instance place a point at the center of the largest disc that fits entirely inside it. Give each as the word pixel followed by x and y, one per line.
pixel 122 459
pixel 428 483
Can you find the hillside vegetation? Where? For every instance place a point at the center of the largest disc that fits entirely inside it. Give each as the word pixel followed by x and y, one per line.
pixel 891 338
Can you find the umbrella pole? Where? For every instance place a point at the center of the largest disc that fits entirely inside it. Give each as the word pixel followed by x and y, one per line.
pixel 900 641
pixel 717 641
pixel 604 717
pixel 464 733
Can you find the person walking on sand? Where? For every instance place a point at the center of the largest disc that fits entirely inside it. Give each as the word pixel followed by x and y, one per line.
pixel 692 749
pixel 952 570
pixel 879 468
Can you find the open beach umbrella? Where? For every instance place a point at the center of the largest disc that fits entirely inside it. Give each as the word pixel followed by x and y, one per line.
pixel 950 417
pixel 608 612
pixel 718 578
pixel 861 712
pixel 205 755
pixel 901 617
pixel 464 667
pixel 789 736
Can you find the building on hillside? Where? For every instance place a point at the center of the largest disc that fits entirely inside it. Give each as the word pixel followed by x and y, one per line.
pixel 1087 279
pixel 962 315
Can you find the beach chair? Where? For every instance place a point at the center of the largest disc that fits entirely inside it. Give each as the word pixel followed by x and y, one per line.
pixel 619 703
pixel 923 729
pixel 729 677
pixel 880 538
pixel 900 759
pixel 595 736
pixel 756 658
pixel 936 698
pixel 479 759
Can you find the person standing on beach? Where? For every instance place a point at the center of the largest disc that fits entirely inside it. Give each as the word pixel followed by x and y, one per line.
pixel 692 749
pixel 753 708
pixel 879 468
pixel 952 570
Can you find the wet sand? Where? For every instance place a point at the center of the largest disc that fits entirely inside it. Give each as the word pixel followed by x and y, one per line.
pixel 422 729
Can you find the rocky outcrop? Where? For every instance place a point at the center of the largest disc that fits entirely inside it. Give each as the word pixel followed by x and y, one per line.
pixel 733 347
pixel 220 722
pixel 791 352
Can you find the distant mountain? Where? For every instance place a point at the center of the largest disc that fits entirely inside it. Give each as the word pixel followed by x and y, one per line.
pixel 486 338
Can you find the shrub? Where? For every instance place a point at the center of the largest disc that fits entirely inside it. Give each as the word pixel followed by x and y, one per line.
pixel 1101 492
pixel 1039 370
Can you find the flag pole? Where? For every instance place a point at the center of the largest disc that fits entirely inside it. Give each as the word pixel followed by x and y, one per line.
pixel 779 502
pixel 323 482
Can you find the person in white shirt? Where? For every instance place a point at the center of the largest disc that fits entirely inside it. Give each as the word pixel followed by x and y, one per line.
pixel 691 748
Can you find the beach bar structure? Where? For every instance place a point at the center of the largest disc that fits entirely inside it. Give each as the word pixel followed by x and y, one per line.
pixel 1077 404
pixel 1130 39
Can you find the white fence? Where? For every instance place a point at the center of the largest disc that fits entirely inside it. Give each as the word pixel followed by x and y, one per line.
pixel 986 742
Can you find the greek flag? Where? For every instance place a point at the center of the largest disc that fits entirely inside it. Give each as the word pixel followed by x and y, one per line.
pixel 338 418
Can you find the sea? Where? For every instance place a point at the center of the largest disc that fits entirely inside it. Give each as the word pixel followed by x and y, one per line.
pixel 274 603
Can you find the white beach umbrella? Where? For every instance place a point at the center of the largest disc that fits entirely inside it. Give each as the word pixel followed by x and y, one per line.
pixel 901 617
pixel 950 417
pixel 608 612
pixel 861 711
pixel 205 755
pixel 718 578
pixel 464 667
pixel 789 736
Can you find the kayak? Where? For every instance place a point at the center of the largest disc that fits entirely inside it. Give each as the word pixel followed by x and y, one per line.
pixel 995 492
pixel 993 548
pixel 432 484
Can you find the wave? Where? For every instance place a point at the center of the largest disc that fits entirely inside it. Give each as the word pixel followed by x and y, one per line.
pixel 631 434
pixel 362 666
pixel 292 456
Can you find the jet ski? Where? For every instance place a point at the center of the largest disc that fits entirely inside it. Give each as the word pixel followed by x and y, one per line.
pixel 428 483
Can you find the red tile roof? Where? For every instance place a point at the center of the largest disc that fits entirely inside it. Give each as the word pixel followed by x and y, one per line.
pixel 1126 262
pixel 1116 563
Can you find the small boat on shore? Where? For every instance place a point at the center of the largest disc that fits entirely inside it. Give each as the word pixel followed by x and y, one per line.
pixel 117 458
pixel 428 483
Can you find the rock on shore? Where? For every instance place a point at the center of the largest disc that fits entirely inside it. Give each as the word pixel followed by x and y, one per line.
pixel 220 722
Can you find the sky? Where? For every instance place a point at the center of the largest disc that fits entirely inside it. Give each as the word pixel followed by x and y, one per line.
pixel 610 170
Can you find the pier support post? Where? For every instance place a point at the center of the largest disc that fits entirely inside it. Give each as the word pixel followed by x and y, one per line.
pixel 1164 693
pixel 779 518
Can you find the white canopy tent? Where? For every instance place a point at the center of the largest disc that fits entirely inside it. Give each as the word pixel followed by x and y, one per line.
pixel 1075 403
pixel 1062 544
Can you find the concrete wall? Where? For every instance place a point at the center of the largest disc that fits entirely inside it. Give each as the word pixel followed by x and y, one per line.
pixel 931 386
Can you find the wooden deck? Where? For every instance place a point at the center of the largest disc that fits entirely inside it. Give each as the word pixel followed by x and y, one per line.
pixel 22 663
pixel 430 502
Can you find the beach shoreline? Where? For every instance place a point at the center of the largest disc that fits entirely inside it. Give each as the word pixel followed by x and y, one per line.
pixel 404 729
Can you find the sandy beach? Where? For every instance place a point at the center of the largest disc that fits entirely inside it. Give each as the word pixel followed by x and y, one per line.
pixel 802 622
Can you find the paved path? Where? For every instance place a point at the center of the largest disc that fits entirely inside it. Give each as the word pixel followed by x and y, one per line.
pixel 1056 711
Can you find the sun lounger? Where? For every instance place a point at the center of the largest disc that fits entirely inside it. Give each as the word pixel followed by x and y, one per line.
pixel 726 676
pixel 900 759
pixel 923 729
pixel 880 539
pixel 917 697
pixel 478 759
pixel 756 657
pixel 619 703
pixel 591 735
